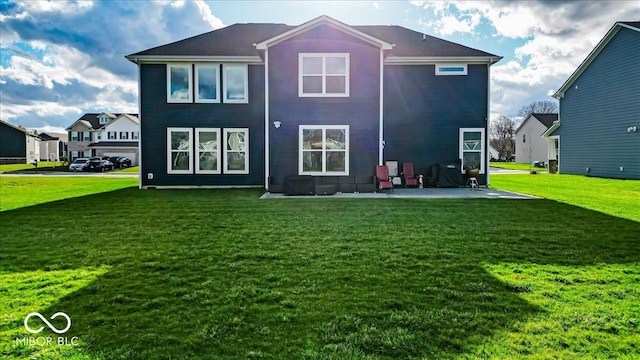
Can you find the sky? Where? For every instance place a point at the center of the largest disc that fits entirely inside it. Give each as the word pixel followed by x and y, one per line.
pixel 61 59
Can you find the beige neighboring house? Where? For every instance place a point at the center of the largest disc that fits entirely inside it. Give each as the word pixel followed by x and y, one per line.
pixel 530 145
pixel 53 146
pixel 105 134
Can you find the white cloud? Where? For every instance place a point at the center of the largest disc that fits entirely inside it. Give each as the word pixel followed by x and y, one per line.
pixel 556 37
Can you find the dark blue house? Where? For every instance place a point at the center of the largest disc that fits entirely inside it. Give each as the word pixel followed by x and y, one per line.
pixel 252 104
pixel 598 129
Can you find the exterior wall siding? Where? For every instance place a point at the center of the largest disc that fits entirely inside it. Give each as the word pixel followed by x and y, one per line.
pixel 424 112
pixel 597 110
pixel 156 115
pixel 360 110
pixel 535 148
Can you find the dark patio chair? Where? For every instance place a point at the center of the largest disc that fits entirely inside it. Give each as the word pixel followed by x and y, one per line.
pixel 382 178
pixel 409 175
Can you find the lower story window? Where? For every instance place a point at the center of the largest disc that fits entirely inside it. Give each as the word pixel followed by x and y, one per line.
pixel 184 153
pixel 207 142
pixel 235 151
pixel 472 149
pixel 324 150
pixel 180 150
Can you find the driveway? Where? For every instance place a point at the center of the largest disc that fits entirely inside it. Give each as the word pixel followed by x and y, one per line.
pixel 500 171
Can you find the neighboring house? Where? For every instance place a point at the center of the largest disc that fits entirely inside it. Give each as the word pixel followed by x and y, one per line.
pixel 530 146
pixel 251 104
pixel 598 130
pixel 18 145
pixel 493 154
pixel 53 147
pixel 104 134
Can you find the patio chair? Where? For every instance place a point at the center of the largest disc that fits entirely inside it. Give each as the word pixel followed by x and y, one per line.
pixel 382 178
pixel 409 175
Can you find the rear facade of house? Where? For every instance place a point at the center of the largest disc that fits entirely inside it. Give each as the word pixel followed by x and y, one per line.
pixel 598 133
pixel 254 104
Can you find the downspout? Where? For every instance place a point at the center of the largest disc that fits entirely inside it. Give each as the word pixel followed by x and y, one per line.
pixel 381 119
pixel 488 125
pixel 140 172
pixel 266 119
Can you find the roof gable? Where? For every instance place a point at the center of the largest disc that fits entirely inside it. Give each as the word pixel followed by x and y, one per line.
pixel 632 25
pixel 324 20
pixel 545 119
pixel 124 117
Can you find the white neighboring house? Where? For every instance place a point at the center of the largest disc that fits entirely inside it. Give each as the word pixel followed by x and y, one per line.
pixel 118 137
pixel 493 153
pixel 530 145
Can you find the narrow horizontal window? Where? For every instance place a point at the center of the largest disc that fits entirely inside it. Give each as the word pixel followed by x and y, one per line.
pixel 451 69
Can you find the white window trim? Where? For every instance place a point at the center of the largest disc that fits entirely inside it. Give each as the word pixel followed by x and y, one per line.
pixel 324 74
pixel 104 119
pixel 245 67
pixel 324 150
pixel 169 151
pixel 190 78
pixel 246 151
pixel 77 136
pixel 135 135
pixel 197 86
pixel 446 69
pixel 482 151
pixel 124 135
pixel 220 143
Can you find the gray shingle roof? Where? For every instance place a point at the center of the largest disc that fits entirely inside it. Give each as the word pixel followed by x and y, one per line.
pixel 92 119
pixel 546 119
pixel 239 40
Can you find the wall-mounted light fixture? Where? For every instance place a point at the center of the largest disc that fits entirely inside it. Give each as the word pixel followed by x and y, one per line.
pixel 632 129
pixel 277 124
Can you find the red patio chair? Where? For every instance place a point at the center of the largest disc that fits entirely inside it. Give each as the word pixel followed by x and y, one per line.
pixel 382 178
pixel 408 175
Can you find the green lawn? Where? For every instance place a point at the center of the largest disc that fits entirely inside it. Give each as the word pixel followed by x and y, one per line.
pixel 517 166
pixel 610 196
pixel 42 166
pixel 131 170
pixel 220 274
pixel 22 191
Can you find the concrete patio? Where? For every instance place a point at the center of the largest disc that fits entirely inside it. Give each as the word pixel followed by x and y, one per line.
pixel 427 193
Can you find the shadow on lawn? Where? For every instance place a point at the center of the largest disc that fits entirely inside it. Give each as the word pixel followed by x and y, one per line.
pixel 214 274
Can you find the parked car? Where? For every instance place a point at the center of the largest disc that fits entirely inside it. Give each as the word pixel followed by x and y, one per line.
pixel 79 164
pixel 120 162
pixel 100 163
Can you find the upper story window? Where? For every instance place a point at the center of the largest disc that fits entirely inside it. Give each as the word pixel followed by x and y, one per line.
pixel 99 136
pixel 235 83
pixel 451 69
pixel 323 75
pixel 75 136
pixel 104 119
pixel 86 136
pixel 179 83
pixel 207 83
pixel 135 135
pixel 111 135
pixel 124 135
